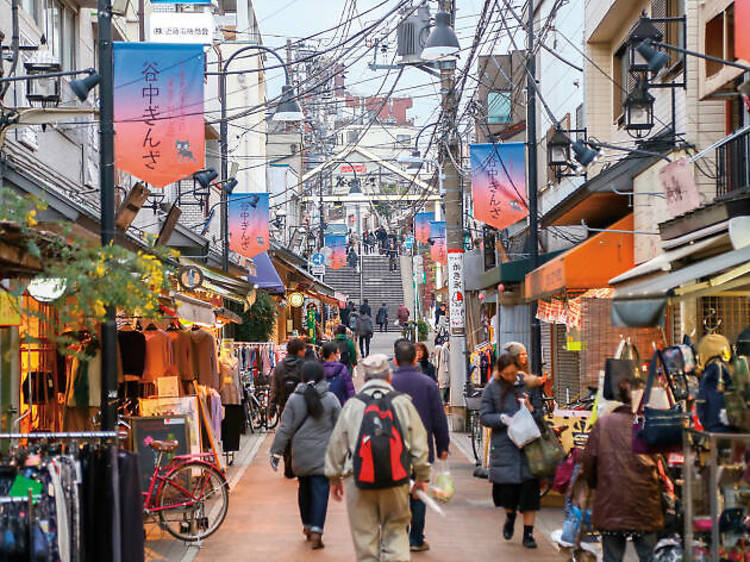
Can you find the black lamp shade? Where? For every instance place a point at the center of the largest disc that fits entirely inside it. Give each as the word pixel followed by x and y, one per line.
pixel 205 177
pixel 230 184
pixel 288 108
pixel 558 149
pixel 583 154
pixel 644 30
pixel 83 86
pixel 442 42
pixel 647 58
pixel 354 187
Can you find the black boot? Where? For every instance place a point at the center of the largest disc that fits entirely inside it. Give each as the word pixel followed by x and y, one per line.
pixel 528 536
pixel 510 521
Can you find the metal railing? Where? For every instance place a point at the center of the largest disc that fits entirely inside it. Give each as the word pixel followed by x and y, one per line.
pixel 733 164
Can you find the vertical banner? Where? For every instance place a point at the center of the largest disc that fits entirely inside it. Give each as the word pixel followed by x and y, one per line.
pixel 498 183
pixel 438 243
pixel 248 223
pixel 456 306
pixel 336 243
pixel 158 103
pixel 742 29
pixel 422 226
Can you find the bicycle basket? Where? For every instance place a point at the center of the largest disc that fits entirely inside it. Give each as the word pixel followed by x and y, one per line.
pixel 474 402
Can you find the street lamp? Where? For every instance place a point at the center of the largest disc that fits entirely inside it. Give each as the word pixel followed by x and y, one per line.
pixel 558 150
pixel 639 111
pixel 82 86
pixel 638 61
pixel 287 110
pixel 442 43
pixel 43 82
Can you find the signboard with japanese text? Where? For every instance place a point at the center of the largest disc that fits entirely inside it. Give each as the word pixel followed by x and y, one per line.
pixel 437 242
pixel 456 307
pixel 680 190
pixel 158 110
pixel 498 183
pixel 336 243
pixel 248 224
pixel 422 226
pixel 181 27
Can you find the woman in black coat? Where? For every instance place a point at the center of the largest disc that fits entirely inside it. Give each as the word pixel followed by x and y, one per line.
pixel 514 488
pixel 423 361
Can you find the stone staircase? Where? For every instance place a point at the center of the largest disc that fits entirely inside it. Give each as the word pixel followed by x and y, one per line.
pixel 379 285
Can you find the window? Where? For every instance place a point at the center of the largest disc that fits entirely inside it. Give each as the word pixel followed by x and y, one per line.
pixel 58 22
pixel 498 107
pixel 624 82
pixel 580 122
pixel 720 39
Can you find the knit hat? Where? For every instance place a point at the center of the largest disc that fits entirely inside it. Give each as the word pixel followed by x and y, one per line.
pixel 375 366
pixel 514 348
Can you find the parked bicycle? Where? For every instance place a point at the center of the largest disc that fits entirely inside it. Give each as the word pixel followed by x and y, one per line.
pixel 189 496
pixel 476 430
pixel 256 401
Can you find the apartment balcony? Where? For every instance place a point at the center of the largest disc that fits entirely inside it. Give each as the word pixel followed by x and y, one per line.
pixel 733 164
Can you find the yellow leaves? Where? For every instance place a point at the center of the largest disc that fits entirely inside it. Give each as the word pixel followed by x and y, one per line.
pixel 30 220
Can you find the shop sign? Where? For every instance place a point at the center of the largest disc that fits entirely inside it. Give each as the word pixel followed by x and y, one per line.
pixel 181 27
pixel 318 269
pixel 296 299
pixel 190 277
pixel 680 190
pixel 456 292
pixel 546 279
pixel 10 310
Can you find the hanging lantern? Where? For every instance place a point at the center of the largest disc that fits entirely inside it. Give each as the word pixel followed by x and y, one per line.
pixel 558 150
pixel 639 111
pixel 643 31
pixel 41 89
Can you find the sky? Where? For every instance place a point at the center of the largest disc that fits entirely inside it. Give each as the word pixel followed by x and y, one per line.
pixel 282 19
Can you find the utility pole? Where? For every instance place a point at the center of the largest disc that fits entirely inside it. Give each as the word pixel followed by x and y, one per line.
pixel 536 330
pixel 107 200
pixel 450 156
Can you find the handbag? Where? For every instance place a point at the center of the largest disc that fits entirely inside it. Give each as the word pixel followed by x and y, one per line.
pixel 673 360
pixel 737 396
pixel 545 453
pixel 564 471
pixel 657 430
pixel 624 365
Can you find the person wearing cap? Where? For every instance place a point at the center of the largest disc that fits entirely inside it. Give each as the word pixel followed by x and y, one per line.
pixel 378 518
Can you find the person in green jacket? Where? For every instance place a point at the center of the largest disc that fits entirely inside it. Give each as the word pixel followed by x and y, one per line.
pixel 346 347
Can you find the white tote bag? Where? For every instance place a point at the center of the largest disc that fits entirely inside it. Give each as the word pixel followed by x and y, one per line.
pixel 522 428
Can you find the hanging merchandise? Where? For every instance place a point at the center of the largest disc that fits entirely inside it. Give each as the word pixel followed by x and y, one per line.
pixel 625 365
pixel 205 368
pixel 710 405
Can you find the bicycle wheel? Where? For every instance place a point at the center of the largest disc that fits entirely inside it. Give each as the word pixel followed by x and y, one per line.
pixel 477 435
pixel 272 419
pixel 248 409
pixel 193 500
pixel 257 419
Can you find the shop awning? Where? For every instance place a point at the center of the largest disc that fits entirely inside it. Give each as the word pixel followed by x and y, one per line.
pixel 512 271
pixel 590 265
pixel 194 310
pixel 266 277
pixel 293 262
pixel 225 286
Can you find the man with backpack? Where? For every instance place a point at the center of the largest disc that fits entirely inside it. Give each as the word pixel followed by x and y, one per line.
pixel 286 376
pixel 364 331
pixel 425 395
pixel 379 441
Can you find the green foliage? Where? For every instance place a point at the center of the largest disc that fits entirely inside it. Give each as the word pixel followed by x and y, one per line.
pixel 258 321
pixel 94 277
pixel 423 330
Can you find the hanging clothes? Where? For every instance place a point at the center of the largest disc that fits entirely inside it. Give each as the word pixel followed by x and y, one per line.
pixel 230 380
pixel 205 364
pixel 132 345
pixel 159 357
pixel 182 351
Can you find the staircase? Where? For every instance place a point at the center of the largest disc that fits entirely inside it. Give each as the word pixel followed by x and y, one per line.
pixel 379 286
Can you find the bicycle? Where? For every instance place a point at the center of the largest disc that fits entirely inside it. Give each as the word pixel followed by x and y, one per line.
pixel 476 429
pixel 189 496
pixel 257 407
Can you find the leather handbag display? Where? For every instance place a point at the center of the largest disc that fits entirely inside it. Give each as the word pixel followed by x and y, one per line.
pixel 657 430
pixel 624 365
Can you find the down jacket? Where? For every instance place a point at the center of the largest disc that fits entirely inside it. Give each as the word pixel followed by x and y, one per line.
pixel 628 492
pixel 507 462
pixel 309 436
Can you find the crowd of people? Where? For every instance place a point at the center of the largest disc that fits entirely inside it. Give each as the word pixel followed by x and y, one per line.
pixel 379 241
pixel 373 448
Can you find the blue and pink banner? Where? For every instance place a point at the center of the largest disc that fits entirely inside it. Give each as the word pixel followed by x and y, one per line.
pixel 248 224
pixel 438 243
pixel 336 244
pixel 422 226
pixel 498 183
pixel 158 103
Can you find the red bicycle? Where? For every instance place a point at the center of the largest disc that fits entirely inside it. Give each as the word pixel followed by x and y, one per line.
pixel 189 496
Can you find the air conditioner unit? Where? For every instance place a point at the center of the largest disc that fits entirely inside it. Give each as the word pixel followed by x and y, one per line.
pixel 412 34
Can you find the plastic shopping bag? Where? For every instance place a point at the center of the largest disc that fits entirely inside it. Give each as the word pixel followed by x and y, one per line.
pixel 522 428
pixel 442 488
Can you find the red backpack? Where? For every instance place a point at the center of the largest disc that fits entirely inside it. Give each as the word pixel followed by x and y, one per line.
pixel 381 459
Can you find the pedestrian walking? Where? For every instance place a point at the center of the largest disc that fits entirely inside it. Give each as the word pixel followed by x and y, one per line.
pixel 440 311
pixel 364 331
pixel 392 260
pixel 402 314
pixel 305 428
pixel 627 499
pixel 425 395
pixel 310 353
pixel 382 318
pixel 514 488
pixel 390 439
pixel 346 347
pixel 345 312
pixel 353 321
pixel 423 361
pixel 286 376
pixel 521 357
pixel 381 235
pixel 365 308
pixel 337 374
